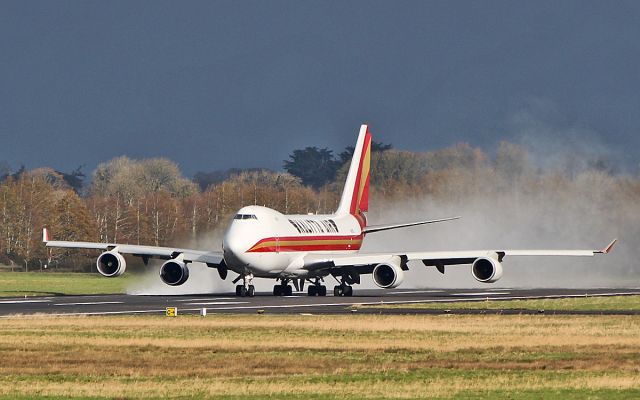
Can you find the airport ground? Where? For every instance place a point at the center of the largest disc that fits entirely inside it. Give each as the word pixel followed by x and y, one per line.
pixel 321 356
pixel 523 353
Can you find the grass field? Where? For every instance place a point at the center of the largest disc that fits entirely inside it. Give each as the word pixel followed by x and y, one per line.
pixel 56 283
pixel 321 357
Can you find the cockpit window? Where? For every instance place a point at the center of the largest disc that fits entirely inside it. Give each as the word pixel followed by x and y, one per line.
pixel 245 216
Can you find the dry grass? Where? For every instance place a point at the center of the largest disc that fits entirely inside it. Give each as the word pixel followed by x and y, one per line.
pixel 586 303
pixel 295 356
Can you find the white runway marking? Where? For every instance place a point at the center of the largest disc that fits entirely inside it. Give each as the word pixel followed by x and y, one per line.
pixel 89 303
pixel 418 291
pixel 23 301
pixel 215 303
pixel 480 294
pixel 206 299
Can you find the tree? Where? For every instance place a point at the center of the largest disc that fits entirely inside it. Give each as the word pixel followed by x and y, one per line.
pixel 206 179
pixel 376 147
pixel 70 220
pixel 314 166
pixel 132 179
pixel 5 170
pixel 512 161
pixel 75 178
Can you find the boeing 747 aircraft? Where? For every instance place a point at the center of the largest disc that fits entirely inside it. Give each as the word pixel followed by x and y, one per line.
pixel 264 243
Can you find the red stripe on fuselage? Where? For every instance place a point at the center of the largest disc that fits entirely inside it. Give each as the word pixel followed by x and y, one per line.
pixel 356 189
pixel 307 243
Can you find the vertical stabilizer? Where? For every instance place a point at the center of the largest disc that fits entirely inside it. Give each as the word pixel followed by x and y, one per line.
pixel 355 196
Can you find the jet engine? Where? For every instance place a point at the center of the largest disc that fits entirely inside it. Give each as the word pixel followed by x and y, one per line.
pixel 486 269
pixel 388 275
pixel 111 264
pixel 174 273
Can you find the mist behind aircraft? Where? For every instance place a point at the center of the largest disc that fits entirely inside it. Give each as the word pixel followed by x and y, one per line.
pixel 546 206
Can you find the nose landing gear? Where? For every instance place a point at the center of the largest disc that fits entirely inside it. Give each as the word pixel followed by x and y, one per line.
pixel 246 289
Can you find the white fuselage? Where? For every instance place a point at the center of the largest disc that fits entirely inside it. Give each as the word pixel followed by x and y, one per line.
pixel 267 243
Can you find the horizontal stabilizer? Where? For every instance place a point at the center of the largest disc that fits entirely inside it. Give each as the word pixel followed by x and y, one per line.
pixel 378 228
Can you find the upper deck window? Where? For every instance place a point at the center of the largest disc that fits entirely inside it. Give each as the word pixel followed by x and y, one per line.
pixel 245 216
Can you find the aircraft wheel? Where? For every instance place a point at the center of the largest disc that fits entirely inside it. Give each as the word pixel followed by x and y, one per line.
pixel 238 288
pixel 313 290
pixel 243 291
pixel 288 290
pixel 337 291
pixel 277 290
pixel 251 291
pixel 322 290
pixel 347 291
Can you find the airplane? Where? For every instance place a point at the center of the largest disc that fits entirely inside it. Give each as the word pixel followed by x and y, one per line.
pixel 261 242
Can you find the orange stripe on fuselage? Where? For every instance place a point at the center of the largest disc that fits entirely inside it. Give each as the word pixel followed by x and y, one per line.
pixel 362 178
pixel 307 243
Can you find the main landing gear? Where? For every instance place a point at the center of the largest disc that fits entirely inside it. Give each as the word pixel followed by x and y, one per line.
pixel 246 289
pixel 343 290
pixel 316 289
pixel 347 279
pixel 283 289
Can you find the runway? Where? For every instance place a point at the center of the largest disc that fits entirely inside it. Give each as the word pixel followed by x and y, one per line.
pixel 296 304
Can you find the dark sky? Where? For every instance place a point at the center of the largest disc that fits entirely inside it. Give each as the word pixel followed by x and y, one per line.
pixel 220 84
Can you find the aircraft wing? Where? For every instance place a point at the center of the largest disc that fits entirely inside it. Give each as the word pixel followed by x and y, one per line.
pixel 146 252
pixel 434 258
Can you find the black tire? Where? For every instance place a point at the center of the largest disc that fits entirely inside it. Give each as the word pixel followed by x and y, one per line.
pixel 348 291
pixel 288 290
pixel 277 290
pixel 337 291
pixel 322 291
pixel 238 290
pixel 313 290
pixel 252 291
pixel 243 291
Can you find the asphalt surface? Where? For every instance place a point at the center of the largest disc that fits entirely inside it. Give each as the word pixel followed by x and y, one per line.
pixel 298 303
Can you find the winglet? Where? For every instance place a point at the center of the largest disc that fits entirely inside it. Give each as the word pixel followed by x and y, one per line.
pixel 45 235
pixel 609 247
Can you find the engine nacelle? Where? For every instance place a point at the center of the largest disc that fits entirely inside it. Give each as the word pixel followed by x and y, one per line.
pixel 388 275
pixel 486 269
pixel 111 264
pixel 174 273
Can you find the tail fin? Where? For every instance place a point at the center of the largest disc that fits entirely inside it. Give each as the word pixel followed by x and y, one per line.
pixel 355 196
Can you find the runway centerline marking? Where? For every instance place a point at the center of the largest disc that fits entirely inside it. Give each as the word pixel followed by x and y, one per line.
pixel 214 303
pixel 480 294
pixel 89 303
pixel 418 291
pixel 206 299
pixel 23 301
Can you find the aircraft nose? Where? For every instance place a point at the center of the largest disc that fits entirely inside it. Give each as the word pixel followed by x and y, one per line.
pixel 232 244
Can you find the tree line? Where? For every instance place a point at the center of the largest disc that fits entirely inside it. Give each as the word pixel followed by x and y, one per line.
pixel 150 201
